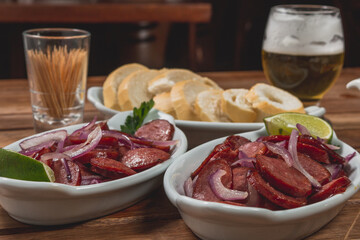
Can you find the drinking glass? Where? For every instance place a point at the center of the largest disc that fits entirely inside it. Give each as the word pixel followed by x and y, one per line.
pixel 56 63
pixel 303 49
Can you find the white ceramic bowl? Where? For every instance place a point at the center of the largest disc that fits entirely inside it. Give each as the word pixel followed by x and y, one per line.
pixel 43 203
pixel 197 132
pixel 210 220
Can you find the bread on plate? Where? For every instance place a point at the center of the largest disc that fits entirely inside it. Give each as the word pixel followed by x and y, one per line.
pixel 208 106
pixel 133 89
pixel 236 107
pixel 183 95
pixel 169 77
pixel 268 100
pixel 164 104
pixel 112 82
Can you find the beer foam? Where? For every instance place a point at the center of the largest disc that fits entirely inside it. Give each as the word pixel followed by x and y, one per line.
pixel 303 34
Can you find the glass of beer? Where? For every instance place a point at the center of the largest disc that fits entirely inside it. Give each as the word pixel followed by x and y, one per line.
pixel 303 49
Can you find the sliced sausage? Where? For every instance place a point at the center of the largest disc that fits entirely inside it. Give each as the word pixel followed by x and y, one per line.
pixel 313 152
pixel 61 173
pixel 158 130
pixel 240 178
pixel 333 156
pixel 252 149
pixel 315 169
pixel 334 187
pixel 228 154
pixel 202 189
pixel 282 177
pixel 272 194
pixel 235 141
pixel 110 165
pixel 99 153
pixel 216 149
pixel 143 158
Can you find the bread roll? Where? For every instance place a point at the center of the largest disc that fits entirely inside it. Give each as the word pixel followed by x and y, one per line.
pixel 236 107
pixel 183 95
pixel 112 82
pixel 133 89
pixel 169 77
pixel 269 100
pixel 163 103
pixel 208 106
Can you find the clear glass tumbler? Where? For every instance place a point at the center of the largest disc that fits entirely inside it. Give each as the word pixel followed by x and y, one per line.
pixel 303 49
pixel 57 65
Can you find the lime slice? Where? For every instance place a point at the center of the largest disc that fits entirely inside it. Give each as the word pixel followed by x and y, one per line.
pixel 283 123
pixel 18 166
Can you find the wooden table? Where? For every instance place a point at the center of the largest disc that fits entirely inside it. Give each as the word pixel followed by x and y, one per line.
pixel 155 217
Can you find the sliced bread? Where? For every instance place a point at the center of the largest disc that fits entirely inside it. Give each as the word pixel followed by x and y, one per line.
pixel 163 103
pixel 133 89
pixel 112 82
pixel 169 77
pixel 236 107
pixel 183 95
pixel 208 106
pixel 268 100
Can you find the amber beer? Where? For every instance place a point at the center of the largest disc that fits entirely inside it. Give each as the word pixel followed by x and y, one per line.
pixel 303 49
pixel 307 77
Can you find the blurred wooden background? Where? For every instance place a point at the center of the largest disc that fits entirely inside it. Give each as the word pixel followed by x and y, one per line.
pixel 231 39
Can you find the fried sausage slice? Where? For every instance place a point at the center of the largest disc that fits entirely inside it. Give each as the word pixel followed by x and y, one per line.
pixel 143 158
pixel 202 189
pixel 282 177
pixel 158 130
pixel 272 194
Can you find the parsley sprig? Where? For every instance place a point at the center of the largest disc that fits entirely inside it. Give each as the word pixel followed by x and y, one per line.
pixel 132 123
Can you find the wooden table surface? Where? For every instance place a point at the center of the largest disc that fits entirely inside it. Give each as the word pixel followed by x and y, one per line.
pixel 155 217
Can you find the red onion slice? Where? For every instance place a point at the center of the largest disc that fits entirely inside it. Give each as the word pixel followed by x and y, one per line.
pixel 57 136
pixel 332 147
pixel 296 164
pixel 244 160
pixel 90 143
pixel 221 191
pixel 122 138
pixel 29 151
pixel 277 149
pixel 349 157
pixel 54 156
pixel 302 129
pixel 83 133
pixel 334 169
pixel 188 187
pixel 67 169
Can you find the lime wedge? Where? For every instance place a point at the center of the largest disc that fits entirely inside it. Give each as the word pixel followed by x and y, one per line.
pixel 283 123
pixel 18 166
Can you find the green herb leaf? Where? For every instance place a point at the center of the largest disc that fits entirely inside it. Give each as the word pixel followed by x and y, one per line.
pixel 132 123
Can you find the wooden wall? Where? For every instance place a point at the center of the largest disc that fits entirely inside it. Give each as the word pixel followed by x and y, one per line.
pixel 232 41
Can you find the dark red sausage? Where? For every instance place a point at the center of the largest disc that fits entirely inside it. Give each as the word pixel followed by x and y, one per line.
pixel 252 149
pixel 110 165
pixel 240 178
pixel 202 189
pixel 315 169
pixel 158 130
pixel 333 156
pixel 272 194
pixel 313 152
pixel 334 187
pixel 143 158
pixel 61 175
pixel 235 141
pixel 228 154
pixel 99 153
pixel 282 177
pixel 217 148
